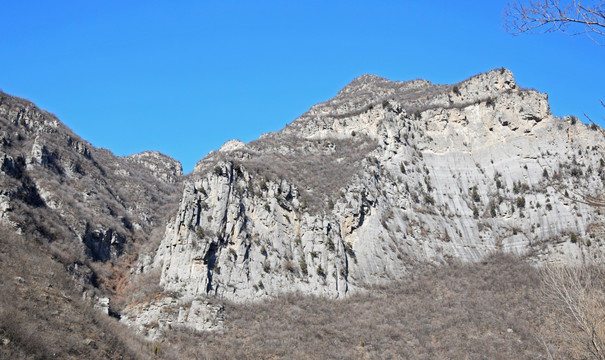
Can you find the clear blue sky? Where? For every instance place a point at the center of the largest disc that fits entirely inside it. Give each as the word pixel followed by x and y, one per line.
pixel 183 77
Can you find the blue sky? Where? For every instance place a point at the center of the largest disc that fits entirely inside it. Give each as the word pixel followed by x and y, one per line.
pixel 183 77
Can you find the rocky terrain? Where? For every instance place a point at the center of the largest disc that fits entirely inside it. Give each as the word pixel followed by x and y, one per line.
pixel 361 191
pixel 72 220
pixel 105 202
pixel 364 187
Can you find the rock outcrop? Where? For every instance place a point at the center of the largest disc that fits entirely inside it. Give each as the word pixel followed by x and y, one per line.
pixel 384 176
pixel 168 312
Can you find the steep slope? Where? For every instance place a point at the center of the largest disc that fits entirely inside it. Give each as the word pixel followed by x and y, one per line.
pixel 58 186
pixel 384 176
pixel 43 314
pixel 72 220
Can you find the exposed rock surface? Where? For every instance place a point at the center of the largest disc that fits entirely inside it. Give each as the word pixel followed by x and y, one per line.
pixel 357 191
pixel 386 175
pixel 163 313
pixel 232 145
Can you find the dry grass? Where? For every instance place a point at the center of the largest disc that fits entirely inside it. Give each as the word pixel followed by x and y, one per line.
pixel 493 309
pixel 490 310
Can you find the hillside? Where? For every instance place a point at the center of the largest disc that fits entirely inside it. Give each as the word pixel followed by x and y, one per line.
pixel 491 309
pixel 359 200
pixel 73 220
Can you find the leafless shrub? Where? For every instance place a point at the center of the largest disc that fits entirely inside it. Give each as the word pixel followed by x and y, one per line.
pixel 576 297
pixel 320 166
pixel 473 311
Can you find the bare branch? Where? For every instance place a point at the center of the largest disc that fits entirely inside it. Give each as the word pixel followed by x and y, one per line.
pixel 568 17
pixel 578 302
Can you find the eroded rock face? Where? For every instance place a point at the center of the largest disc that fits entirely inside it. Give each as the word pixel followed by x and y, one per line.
pixel 104 245
pixel 383 176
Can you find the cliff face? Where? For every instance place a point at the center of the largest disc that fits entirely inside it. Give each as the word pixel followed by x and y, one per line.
pixel 384 176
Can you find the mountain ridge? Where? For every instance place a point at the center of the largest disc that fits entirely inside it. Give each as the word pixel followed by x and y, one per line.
pixel 361 189
pixel 72 218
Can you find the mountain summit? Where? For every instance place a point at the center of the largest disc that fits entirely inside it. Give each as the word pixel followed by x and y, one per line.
pixel 385 176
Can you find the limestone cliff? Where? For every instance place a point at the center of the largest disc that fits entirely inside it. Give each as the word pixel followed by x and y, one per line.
pixel 381 177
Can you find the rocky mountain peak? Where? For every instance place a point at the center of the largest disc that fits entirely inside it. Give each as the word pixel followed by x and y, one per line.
pixel 377 86
pixel 386 175
pixel 163 166
pixel 231 145
pixel 370 92
pixel 58 186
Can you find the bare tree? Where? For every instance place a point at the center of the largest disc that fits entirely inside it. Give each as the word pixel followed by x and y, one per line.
pixel 577 299
pixel 569 17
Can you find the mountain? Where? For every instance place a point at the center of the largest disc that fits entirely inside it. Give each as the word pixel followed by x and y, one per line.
pixel 362 189
pixel 368 189
pixel 73 219
pixel 78 192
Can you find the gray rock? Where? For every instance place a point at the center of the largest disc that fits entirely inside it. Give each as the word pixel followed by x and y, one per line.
pixel 155 317
pixel 102 304
pixel 60 187
pixel 384 176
